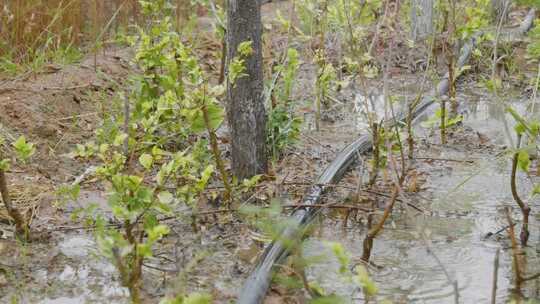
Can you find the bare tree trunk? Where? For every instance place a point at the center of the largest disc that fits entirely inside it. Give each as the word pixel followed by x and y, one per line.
pixel 421 19
pixel 498 11
pixel 245 111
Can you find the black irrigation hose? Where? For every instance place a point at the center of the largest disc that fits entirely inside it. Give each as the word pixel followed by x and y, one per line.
pixel 256 285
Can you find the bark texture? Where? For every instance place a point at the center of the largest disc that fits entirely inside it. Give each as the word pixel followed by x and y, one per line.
pixel 421 19
pixel 245 110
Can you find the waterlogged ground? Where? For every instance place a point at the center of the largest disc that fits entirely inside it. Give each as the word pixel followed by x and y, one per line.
pixel 68 268
pixel 464 202
pixel 462 190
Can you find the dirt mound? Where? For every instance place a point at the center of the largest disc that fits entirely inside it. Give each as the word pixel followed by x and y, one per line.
pixel 60 107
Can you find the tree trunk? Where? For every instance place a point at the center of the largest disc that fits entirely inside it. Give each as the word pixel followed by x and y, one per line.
pixel 421 19
pixel 498 11
pixel 245 111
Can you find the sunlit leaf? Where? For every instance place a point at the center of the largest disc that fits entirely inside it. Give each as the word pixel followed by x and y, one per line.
pixel 146 160
pixel 215 117
pixel 520 128
pixel 523 160
pixel 4 164
pixel 119 139
pixel 144 250
pixel 198 298
pixel 245 48
pixel 23 149
pixel 157 232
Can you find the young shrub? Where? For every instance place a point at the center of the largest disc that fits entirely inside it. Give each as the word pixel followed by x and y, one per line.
pixel 530 131
pixel 283 126
pixel 152 155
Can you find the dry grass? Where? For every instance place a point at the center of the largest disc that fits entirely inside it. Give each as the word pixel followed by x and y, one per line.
pixel 29 27
pixel 36 32
pixel 27 199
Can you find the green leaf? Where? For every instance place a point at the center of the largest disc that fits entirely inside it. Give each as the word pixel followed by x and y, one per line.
pixel 453 121
pixel 133 181
pixel 362 278
pixel 144 250
pixel 196 119
pixel 198 298
pixel 157 232
pixel 236 70
pixel 163 208
pixel 157 152
pixel 194 298
pixel 165 197
pixel 119 139
pixel 520 128
pixel 249 183
pixel 205 177
pixel 23 149
pixel 103 148
pixel 523 160
pixel 215 118
pixel 535 128
pixel 4 164
pixel 536 190
pixel 245 48
pixel 146 160
pixel 215 115
pixel 316 289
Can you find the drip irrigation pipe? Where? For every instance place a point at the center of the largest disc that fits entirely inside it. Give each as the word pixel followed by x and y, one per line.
pixel 256 285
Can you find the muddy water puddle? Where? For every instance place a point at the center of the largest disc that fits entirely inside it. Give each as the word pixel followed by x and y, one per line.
pixel 465 202
pixel 70 272
pixel 68 268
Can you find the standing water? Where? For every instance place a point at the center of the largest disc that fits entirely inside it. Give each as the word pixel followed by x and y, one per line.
pixel 467 189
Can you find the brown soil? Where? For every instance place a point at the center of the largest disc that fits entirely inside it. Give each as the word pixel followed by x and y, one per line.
pixel 60 108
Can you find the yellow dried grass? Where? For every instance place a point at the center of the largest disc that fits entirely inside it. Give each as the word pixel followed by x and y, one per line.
pixel 27 199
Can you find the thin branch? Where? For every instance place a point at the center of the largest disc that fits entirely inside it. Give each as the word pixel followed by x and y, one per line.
pixel 515 254
pixel 525 210
pixel 372 234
